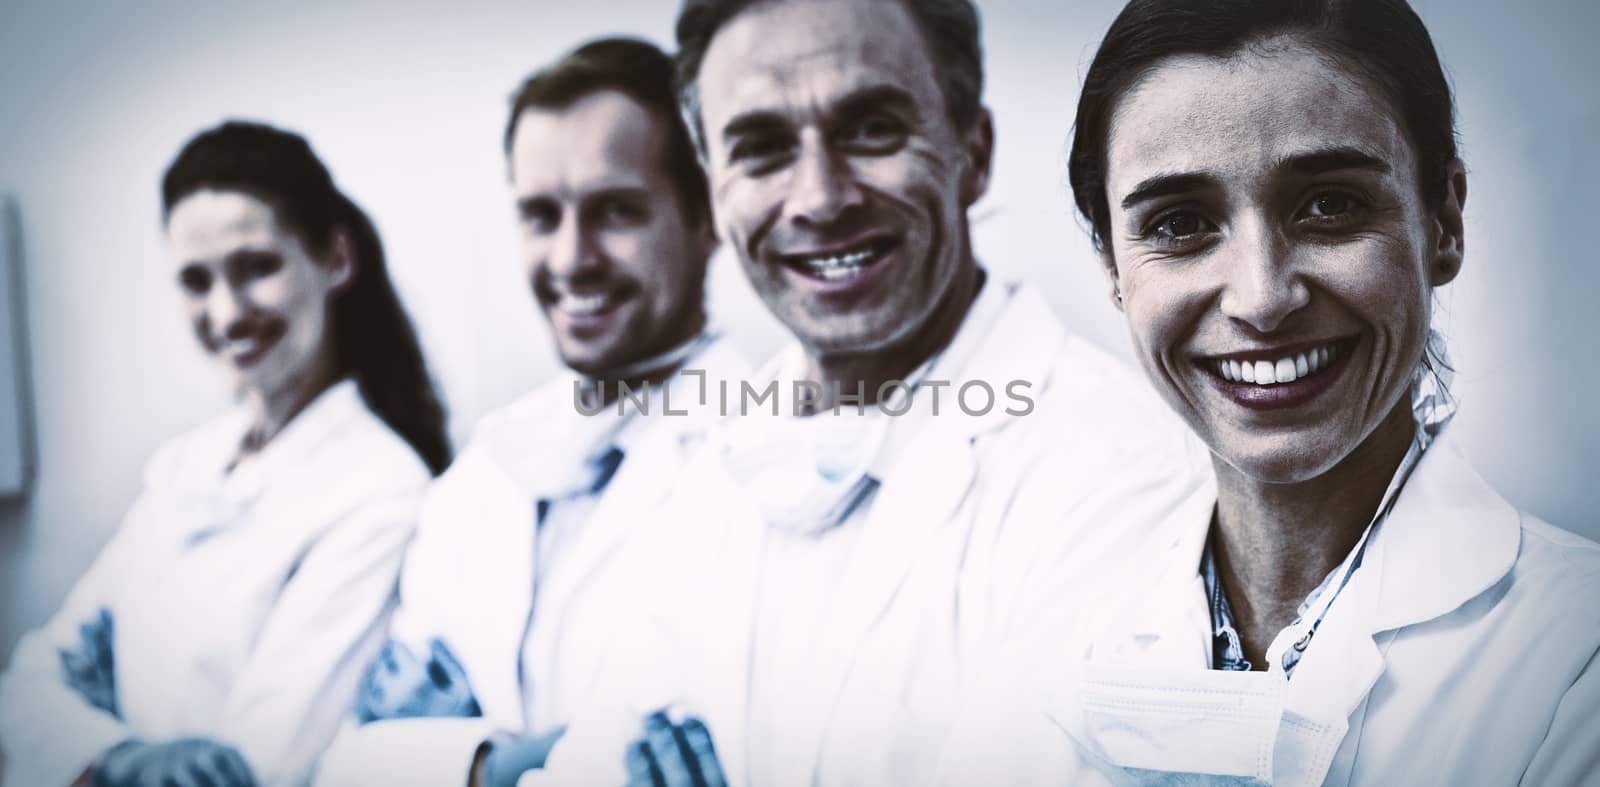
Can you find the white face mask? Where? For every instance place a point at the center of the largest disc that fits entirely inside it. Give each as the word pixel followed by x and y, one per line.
pixel 807 474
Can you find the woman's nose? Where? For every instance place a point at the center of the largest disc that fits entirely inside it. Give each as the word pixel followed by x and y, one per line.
pixel 1262 288
pixel 225 310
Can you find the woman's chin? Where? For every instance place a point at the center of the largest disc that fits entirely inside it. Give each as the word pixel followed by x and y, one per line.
pixel 1290 458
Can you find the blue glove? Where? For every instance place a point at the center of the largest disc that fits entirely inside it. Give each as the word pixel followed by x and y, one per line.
pixel 510 756
pixel 400 686
pixel 187 762
pixel 674 755
pixel 89 670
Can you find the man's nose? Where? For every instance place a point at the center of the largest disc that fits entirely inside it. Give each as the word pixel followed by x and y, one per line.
pixel 572 252
pixel 823 189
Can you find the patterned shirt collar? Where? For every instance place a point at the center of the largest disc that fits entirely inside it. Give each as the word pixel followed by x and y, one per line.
pixel 1432 410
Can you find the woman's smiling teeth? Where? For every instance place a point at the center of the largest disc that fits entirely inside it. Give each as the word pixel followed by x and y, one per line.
pixel 1282 370
pixel 584 305
pixel 238 348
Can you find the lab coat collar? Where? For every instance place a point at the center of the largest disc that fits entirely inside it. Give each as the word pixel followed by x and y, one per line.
pixel 543 441
pixel 1447 539
pixel 206 474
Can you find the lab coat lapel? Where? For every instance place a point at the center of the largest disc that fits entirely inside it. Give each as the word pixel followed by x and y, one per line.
pixel 904 518
pixel 500 574
pixel 656 449
pixel 211 499
pixel 1448 538
pixel 932 471
pixel 732 637
pixel 1146 683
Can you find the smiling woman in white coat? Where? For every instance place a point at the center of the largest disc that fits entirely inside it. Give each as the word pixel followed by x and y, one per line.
pixel 1275 192
pixel 218 638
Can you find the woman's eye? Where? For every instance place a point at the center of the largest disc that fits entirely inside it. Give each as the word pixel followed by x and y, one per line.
pixel 1181 226
pixel 195 281
pixel 540 217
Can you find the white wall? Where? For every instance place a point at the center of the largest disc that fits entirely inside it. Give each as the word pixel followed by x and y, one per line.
pixel 406 100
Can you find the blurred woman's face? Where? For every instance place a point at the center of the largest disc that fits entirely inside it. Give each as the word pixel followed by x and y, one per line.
pixel 1274 253
pixel 258 300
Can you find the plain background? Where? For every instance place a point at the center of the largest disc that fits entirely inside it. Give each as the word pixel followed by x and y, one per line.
pixel 406 102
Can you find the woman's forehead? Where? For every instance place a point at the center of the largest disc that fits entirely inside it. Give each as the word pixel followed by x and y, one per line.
pixel 211 223
pixel 1242 115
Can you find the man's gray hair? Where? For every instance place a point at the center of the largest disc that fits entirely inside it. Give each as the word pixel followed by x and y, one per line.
pixel 950 28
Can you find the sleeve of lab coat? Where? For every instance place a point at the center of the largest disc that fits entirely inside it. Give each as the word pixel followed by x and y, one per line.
pixel 49 732
pixel 419 752
pixel 1570 753
pixel 298 684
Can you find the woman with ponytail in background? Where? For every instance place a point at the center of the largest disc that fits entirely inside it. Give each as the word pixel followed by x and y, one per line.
pixel 217 640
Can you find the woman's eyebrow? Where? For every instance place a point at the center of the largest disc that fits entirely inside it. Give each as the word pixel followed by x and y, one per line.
pixel 1332 160
pixel 1158 186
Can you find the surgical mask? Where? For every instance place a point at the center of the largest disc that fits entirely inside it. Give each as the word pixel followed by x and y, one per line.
pixel 807 475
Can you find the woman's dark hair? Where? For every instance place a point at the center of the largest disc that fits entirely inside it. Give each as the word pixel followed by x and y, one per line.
pixel 1383 40
pixel 372 337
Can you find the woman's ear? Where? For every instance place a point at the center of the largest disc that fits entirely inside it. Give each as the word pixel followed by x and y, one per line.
pixel 1108 266
pixel 1449 226
pixel 341 261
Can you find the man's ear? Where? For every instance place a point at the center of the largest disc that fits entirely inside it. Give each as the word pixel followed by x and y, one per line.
pixel 1108 266
pixel 1451 247
pixel 341 262
pixel 979 146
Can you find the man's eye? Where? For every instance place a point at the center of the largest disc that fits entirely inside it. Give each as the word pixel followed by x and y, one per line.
pixel 265 265
pixel 874 133
pixel 195 281
pixel 620 212
pixel 758 149
pixel 1331 205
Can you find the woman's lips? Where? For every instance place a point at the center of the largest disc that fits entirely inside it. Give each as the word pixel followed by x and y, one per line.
pixel 1279 378
pixel 247 351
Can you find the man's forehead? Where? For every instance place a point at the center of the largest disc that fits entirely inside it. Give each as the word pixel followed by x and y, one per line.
pixel 601 140
pixel 782 51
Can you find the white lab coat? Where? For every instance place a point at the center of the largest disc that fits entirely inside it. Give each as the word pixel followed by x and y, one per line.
pixel 970 511
pixel 469 578
pixel 1462 652
pixel 245 604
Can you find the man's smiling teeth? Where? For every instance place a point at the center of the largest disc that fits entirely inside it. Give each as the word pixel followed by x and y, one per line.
pixel 584 305
pixel 839 266
pixel 1283 370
